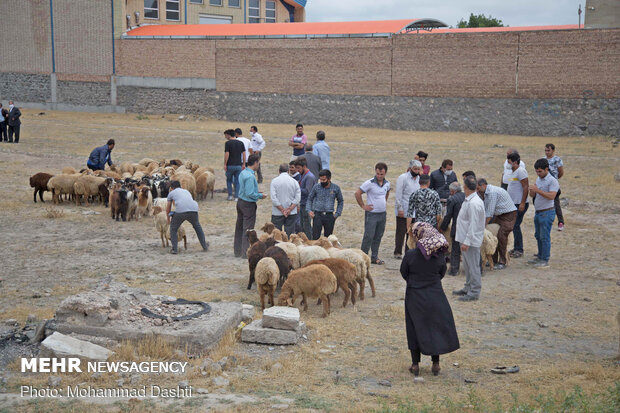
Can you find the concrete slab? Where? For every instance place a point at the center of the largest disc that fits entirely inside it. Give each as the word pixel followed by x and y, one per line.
pixel 256 333
pixel 113 310
pixel 59 345
pixel 282 318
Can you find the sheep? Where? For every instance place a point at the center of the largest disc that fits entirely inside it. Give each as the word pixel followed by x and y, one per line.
pixel 267 276
pixel 309 253
pixel 39 182
pixel 187 181
pixel 315 280
pixel 161 223
pixel 127 167
pixel 489 244
pixel 366 266
pixel 153 166
pixel 345 273
pixel 271 229
pixel 147 161
pixel 292 252
pixel 68 170
pixel 104 193
pixel 118 203
pixel 87 185
pixel 255 252
pixel 61 184
pixel 284 264
pixel 160 202
pixel 145 202
pixel 204 183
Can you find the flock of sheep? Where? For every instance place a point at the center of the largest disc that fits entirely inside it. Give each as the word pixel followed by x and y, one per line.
pixel 305 268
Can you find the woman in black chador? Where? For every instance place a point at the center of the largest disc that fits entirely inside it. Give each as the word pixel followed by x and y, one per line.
pixel 428 316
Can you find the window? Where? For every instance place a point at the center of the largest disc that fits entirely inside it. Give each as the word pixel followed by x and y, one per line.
pixel 196 1
pixel 151 9
pixel 270 12
pixel 234 3
pixel 173 10
pixel 254 11
pixel 215 2
pixel 214 19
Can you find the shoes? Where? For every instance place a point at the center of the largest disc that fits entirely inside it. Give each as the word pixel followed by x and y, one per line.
pixel 468 298
pixel 459 292
pixel 560 227
pixel 542 264
pixel 173 251
pixel 398 256
pixel 454 273
pixel 499 266
pixel 230 198
pixel 415 369
pixel 435 369
pixel 236 199
pixel 207 248
pixel 516 254
pixel 534 261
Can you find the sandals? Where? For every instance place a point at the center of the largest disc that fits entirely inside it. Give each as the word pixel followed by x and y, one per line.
pixel 378 262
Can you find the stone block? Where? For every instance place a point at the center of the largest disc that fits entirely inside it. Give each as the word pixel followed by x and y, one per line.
pixel 248 312
pixel 256 333
pixel 282 318
pixel 60 345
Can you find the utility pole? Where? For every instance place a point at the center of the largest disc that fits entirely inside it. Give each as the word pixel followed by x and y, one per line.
pixel 579 13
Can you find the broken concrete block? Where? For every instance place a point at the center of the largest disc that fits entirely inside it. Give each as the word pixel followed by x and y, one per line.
pixel 59 345
pixel 282 318
pixel 248 312
pixel 256 333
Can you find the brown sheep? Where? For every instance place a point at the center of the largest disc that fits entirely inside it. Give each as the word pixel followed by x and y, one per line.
pixel 187 182
pixel 310 282
pixel 87 185
pixel 127 167
pixel 62 184
pixel 345 275
pixel 39 182
pixel 204 184
pixel 255 252
pixel 267 275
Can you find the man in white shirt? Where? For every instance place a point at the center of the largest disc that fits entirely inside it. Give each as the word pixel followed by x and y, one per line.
pixel 245 141
pixel 469 233
pixel 508 167
pixel 257 144
pixel 406 184
pixel 285 196
pixel 518 185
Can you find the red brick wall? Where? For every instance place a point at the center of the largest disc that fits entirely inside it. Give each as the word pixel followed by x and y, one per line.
pixel 569 64
pixel 166 58
pixel 316 66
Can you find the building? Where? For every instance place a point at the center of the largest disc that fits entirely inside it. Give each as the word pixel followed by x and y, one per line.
pixel 602 14
pixel 134 13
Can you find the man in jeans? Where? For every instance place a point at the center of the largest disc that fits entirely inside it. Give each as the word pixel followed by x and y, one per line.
pixel 185 209
pixel 545 189
pixel 320 205
pixel 285 197
pixel 469 233
pixel 234 162
pixel 246 206
pixel 556 169
pixel 377 192
pixel 306 184
pixel 517 187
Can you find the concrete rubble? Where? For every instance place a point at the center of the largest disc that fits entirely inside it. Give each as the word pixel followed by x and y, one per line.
pixel 59 345
pixel 280 326
pixel 115 311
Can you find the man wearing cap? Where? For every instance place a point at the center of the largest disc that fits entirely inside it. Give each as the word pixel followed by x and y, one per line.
pixel 185 209
pixel 406 184
pixel 100 156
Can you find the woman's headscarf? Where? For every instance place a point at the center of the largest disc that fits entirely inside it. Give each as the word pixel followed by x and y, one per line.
pixel 428 240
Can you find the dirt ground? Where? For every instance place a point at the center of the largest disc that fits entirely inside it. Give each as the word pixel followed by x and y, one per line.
pixel 558 324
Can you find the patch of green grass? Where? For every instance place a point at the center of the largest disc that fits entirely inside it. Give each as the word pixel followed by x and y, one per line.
pixel 306 401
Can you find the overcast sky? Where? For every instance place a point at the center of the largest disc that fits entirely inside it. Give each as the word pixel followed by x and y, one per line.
pixel 511 12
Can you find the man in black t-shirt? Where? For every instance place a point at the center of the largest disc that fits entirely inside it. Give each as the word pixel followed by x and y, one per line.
pixel 234 162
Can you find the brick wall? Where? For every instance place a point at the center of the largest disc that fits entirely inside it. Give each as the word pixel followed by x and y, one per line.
pixel 26 46
pixel 458 65
pixel 83 36
pixel 569 64
pixel 166 58
pixel 331 66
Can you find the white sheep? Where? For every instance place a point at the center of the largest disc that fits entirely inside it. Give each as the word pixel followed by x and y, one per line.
pixel 266 275
pixel 309 253
pixel 489 244
pixel 62 184
pixel 161 223
pixel 292 252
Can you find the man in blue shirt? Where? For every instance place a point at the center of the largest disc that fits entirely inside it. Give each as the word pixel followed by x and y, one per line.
pixel 100 156
pixel 185 209
pixel 246 205
pixel 321 149
pixel 320 205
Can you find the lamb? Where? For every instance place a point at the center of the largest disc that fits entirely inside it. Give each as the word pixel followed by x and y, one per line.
pixel 145 202
pixel 489 244
pixel 284 264
pixel 161 223
pixel 267 275
pixel 39 182
pixel 87 185
pixel 345 275
pixel 292 252
pixel 309 253
pixel 255 252
pixel 315 280
pixel 62 184
pixel 118 203
pixel 68 170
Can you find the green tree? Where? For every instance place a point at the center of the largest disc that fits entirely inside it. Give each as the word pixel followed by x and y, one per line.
pixel 479 20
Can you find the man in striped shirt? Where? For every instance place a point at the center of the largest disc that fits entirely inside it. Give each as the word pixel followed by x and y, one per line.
pixel 499 207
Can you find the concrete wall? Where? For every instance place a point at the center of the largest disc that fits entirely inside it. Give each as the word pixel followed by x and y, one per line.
pixel 601 14
pixel 25 87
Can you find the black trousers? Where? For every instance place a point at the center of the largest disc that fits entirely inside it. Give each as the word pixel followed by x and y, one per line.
pixel 3 132
pixel 322 221
pixel 246 219
pixel 401 236
pixel 558 207
pixel 455 257
pixel 14 130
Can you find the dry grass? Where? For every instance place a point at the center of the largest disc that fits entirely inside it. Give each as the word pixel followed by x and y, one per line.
pixel 52 212
pixel 579 292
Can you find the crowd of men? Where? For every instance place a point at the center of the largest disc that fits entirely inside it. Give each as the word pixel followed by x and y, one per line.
pixel 10 123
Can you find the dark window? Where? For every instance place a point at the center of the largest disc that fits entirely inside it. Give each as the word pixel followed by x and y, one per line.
pixel 151 9
pixel 234 3
pixel 173 10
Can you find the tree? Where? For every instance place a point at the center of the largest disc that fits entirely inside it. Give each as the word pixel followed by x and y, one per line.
pixel 479 20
